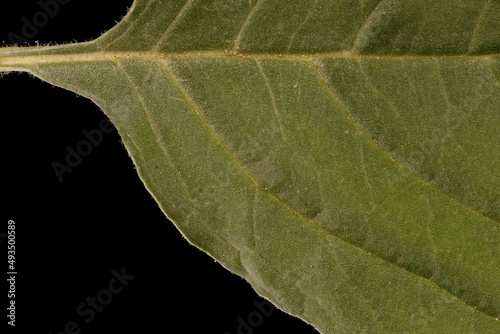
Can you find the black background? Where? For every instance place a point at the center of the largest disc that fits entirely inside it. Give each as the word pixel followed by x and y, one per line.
pixel 71 234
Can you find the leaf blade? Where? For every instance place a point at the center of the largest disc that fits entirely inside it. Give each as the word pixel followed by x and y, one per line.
pixel 261 202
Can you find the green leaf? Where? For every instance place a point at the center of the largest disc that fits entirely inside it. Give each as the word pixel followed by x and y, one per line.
pixel 343 158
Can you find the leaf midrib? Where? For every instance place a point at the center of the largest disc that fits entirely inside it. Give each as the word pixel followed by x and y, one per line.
pixel 29 56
